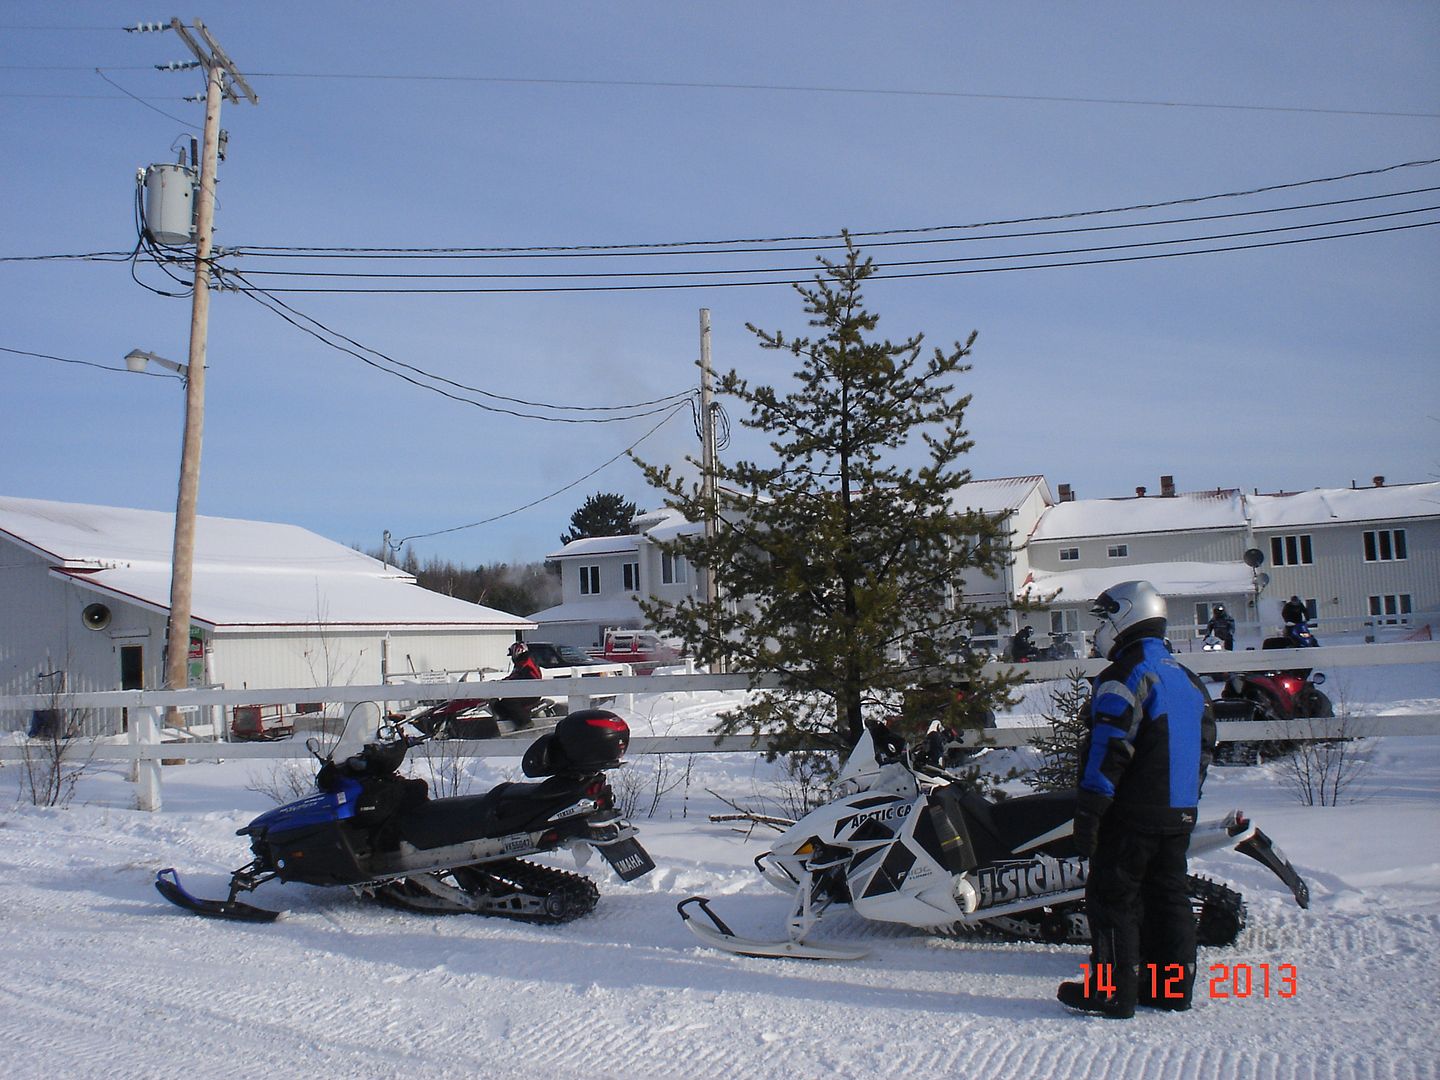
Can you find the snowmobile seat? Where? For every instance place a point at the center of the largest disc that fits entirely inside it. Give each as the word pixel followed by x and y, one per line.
pixel 509 808
pixel 996 829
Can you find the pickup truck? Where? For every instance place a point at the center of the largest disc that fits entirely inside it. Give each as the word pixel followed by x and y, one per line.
pixel 642 650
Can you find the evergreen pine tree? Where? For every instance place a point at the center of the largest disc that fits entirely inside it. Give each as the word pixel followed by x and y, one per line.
pixel 602 514
pixel 1068 715
pixel 836 565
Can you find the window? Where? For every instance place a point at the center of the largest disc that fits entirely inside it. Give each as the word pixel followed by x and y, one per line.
pixel 631 571
pixel 1385 545
pixel 1064 622
pixel 1202 617
pixel 1291 550
pixel 1069 554
pixel 1118 551
pixel 673 570
pixel 1390 608
pixel 589 581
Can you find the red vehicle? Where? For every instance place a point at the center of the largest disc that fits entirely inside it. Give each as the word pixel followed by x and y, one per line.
pixel 643 650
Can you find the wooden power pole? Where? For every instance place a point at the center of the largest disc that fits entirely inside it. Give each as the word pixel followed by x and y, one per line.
pixel 222 79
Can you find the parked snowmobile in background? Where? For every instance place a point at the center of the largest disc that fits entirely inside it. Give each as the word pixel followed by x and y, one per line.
pixel 474 718
pixel 909 848
pixel 383 836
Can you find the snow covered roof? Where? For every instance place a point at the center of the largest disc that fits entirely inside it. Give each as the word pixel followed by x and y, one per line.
pixel 613 612
pixel 246 573
pixel 1169 579
pixel 657 526
pixel 1334 506
pixel 1129 517
pixel 997 496
pixel 597 545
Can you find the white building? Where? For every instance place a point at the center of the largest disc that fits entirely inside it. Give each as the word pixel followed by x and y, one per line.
pixel 603 578
pixel 86 592
pixel 1365 559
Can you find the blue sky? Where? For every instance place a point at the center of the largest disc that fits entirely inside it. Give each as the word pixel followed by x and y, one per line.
pixel 546 124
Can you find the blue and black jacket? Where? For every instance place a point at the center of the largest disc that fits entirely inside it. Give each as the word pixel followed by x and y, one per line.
pixel 1152 732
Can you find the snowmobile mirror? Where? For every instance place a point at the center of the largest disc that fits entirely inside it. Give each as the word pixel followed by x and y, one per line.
pixel 1318 679
pixel 313 745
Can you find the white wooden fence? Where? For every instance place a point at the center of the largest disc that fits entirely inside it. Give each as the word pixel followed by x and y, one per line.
pixel 148 743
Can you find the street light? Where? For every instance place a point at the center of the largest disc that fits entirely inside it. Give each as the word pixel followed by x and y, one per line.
pixel 182 552
pixel 136 360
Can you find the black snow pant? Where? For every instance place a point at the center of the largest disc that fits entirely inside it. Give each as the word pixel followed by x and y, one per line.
pixel 1138 906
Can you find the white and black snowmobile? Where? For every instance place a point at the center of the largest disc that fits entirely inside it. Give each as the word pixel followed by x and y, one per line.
pixel 381 834
pixel 910 848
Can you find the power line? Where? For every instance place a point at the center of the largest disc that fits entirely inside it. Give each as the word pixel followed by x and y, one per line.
pixel 298 320
pixel 664 286
pixel 544 498
pixel 664 84
pixel 427 276
pixel 866 234
pixel 484 254
pixel 92 363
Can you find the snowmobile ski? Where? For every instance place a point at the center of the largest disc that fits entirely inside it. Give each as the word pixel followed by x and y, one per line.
pixel 167 882
pixel 1263 850
pixel 720 936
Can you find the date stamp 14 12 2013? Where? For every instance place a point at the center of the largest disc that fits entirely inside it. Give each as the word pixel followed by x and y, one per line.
pixel 1226 981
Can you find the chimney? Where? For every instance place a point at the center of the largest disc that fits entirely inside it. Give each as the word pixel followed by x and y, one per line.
pixel 1139 492
pixel 1067 493
pixel 1167 487
pixel 1378 481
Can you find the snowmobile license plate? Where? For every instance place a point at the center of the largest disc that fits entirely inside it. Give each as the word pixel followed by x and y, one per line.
pixel 628 859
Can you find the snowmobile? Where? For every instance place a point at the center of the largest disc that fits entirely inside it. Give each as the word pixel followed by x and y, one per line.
pixel 911 848
pixel 381 834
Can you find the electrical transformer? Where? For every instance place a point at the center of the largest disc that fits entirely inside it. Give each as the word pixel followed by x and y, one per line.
pixel 170 203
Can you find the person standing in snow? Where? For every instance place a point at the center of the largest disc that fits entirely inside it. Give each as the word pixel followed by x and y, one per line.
pixel 1152 732
pixel 518 710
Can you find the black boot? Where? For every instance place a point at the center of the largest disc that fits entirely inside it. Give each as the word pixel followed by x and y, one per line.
pixel 1170 995
pixel 1073 995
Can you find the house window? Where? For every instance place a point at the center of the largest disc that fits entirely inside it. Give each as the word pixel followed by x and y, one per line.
pixel 589 581
pixel 1291 550
pixel 632 576
pixel 673 570
pixel 1118 551
pixel 1390 608
pixel 1202 617
pixel 1069 554
pixel 1064 622
pixel 1385 545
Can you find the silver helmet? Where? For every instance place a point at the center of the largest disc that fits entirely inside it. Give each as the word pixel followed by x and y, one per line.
pixel 1128 610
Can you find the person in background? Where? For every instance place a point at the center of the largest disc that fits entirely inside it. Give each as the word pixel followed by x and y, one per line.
pixel 1294 612
pixel 1222 626
pixel 518 710
pixel 1152 732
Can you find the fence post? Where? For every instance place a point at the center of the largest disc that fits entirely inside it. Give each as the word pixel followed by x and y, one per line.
pixel 145 731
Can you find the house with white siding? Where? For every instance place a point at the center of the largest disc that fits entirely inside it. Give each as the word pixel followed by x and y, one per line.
pixel 1366 560
pixel 86 593
pixel 603 578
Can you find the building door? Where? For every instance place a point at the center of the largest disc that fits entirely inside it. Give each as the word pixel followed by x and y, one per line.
pixel 132 667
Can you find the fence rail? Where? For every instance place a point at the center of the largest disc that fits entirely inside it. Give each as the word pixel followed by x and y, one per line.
pixel 145 745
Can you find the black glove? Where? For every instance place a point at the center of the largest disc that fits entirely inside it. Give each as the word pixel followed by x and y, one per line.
pixel 1087 832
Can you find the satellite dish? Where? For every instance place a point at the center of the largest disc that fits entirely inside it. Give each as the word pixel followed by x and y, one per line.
pixel 1254 558
pixel 1263 578
pixel 95 617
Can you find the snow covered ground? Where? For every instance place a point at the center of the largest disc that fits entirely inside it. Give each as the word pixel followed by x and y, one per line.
pixel 103 978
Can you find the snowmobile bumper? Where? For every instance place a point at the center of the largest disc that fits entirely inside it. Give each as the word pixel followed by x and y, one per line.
pixel 718 935
pixel 1264 851
pixel 167 883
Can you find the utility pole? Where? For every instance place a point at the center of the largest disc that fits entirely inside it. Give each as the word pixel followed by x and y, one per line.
pixel 221 80
pixel 707 444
